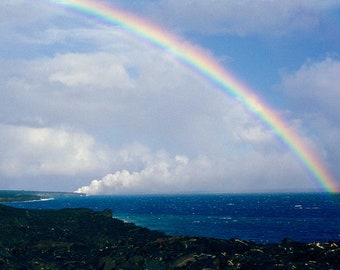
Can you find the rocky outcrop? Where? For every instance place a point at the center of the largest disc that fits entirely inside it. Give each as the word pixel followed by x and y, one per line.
pixel 25 195
pixel 86 239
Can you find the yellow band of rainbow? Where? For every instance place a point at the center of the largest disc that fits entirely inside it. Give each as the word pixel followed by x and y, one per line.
pixel 205 64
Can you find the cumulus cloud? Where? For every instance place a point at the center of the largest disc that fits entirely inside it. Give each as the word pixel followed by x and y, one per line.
pixel 251 172
pixel 316 84
pixel 48 151
pixel 191 137
pixel 314 93
pixel 152 179
pixel 85 101
pixel 120 92
pixel 20 22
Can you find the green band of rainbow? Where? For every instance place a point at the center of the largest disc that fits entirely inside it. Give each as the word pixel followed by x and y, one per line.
pixel 203 63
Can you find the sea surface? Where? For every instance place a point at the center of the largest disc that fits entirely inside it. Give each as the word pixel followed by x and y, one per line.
pixel 261 218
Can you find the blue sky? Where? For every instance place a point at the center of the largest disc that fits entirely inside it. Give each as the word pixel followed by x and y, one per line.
pixel 86 106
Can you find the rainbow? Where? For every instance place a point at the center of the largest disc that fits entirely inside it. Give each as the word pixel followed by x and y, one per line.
pixel 206 65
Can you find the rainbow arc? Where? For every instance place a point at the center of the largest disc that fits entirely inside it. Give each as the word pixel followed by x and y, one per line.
pixel 206 65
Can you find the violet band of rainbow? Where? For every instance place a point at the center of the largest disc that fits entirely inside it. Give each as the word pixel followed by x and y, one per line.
pixel 199 61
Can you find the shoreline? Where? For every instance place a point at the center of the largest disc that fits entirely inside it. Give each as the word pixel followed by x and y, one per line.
pixel 81 238
pixel 244 221
pixel 30 196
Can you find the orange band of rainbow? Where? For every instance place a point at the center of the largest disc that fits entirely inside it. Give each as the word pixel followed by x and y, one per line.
pixel 203 63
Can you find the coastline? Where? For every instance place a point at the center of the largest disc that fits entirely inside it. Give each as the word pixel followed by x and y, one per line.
pixel 86 239
pixel 263 218
pixel 28 195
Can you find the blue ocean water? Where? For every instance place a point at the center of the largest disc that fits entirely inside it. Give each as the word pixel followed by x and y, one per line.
pixel 261 218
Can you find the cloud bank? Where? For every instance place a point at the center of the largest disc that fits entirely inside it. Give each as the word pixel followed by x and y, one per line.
pixel 179 174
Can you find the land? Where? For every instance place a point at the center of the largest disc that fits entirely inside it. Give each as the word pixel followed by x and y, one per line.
pixel 86 239
pixel 27 195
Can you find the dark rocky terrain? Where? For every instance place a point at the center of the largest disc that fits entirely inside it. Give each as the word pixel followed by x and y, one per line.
pixel 86 239
pixel 25 195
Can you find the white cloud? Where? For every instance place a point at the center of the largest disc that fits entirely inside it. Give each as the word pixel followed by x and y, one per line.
pixel 114 91
pixel 210 143
pixel 251 172
pixel 20 21
pixel 316 85
pixel 90 72
pixel 315 93
pixel 120 92
pixel 48 151
pixel 161 176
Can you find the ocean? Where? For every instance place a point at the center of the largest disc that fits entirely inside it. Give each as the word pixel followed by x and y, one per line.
pixel 262 218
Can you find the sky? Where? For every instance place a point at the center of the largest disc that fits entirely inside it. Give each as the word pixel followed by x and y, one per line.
pixel 87 106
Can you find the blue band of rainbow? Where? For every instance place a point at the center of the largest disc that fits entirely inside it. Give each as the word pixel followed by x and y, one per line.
pixel 207 66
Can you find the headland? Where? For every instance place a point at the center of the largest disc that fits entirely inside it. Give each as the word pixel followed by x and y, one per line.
pixel 86 239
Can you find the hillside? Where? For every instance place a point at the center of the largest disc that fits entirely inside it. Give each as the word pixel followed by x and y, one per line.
pixel 86 239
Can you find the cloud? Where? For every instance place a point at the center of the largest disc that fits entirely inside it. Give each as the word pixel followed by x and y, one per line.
pixel 120 91
pixel 189 136
pixel 20 22
pixel 152 179
pixel 29 151
pixel 246 17
pixel 19 13
pixel 316 85
pixel 241 17
pixel 81 71
pixel 314 93
pixel 162 173
pixel 35 152
pixel 82 101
